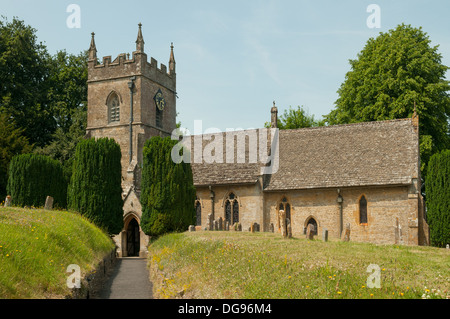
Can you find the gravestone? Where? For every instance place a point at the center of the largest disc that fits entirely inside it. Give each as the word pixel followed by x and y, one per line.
pixel 191 228
pixel 271 228
pixel 210 223
pixel 325 235
pixel 289 228
pixel 282 217
pixel 227 225
pixel 310 231
pixel 398 232
pixel 220 223
pixel 216 224
pixel 8 201
pixel 346 234
pixel 48 203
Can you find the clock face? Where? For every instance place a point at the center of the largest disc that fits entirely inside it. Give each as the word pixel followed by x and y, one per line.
pixel 159 100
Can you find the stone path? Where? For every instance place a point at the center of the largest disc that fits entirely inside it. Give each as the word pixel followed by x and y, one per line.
pixel 129 280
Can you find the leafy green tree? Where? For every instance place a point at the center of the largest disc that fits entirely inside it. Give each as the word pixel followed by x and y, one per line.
pixel 95 188
pixel 395 71
pixel 33 177
pixel 67 91
pixel 63 144
pixel 437 189
pixel 12 142
pixel 167 190
pixel 24 74
pixel 295 118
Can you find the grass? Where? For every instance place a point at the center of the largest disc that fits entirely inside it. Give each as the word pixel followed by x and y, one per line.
pixel 264 265
pixel 37 246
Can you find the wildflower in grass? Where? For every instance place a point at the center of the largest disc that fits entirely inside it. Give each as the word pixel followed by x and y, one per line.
pixel 339 292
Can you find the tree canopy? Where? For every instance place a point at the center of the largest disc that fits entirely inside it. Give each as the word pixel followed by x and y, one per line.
pixel 395 71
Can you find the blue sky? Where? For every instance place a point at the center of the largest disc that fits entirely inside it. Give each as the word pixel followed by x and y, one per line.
pixel 235 57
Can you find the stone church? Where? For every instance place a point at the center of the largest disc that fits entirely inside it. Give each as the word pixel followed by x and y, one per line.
pixel 363 176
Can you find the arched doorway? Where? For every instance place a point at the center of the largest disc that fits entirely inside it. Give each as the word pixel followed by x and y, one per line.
pixel 133 238
pixel 313 222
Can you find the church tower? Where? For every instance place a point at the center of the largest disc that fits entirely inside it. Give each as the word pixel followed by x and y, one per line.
pixel 131 99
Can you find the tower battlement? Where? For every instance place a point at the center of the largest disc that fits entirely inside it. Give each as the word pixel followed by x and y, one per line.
pixel 125 65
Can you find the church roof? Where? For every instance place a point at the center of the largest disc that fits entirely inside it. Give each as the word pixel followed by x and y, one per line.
pixel 360 154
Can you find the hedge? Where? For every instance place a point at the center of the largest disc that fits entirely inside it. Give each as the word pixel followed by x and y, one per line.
pixel 33 177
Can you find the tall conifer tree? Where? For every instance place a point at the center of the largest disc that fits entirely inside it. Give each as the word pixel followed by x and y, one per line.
pixel 167 190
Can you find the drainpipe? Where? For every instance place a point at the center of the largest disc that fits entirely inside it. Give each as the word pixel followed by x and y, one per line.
pixel 212 200
pixel 131 86
pixel 340 201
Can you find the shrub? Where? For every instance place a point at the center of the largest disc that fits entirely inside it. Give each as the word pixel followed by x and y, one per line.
pixel 33 177
pixel 95 188
pixel 167 190
pixel 437 188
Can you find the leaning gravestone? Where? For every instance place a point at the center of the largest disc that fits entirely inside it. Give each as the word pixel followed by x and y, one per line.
pixel 48 203
pixel 8 201
pixel 191 228
pixel 310 231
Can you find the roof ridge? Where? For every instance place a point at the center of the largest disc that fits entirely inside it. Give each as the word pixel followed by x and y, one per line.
pixel 350 124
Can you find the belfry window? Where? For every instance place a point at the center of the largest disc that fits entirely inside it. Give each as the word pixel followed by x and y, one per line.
pixel 113 108
pixel 363 210
pixel 231 209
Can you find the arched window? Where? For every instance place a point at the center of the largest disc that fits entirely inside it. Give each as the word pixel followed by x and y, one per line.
pixel 231 209
pixel 198 212
pixel 363 210
pixel 113 108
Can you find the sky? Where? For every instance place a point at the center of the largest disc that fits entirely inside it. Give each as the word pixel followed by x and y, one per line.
pixel 234 58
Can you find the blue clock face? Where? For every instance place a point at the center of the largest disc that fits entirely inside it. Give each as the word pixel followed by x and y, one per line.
pixel 159 100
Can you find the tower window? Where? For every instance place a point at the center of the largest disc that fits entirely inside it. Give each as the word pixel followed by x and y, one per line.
pixel 113 108
pixel 363 210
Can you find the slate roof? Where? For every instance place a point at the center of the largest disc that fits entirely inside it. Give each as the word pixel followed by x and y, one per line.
pixel 360 154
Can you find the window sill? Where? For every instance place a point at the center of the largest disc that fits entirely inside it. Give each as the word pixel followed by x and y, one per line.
pixel 364 224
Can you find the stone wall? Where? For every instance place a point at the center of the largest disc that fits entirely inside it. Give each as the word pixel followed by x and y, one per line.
pixel 249 198
pixel 389 213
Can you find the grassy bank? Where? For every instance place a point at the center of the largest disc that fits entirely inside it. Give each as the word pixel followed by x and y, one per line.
pixel 264 265
pixel 36 246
